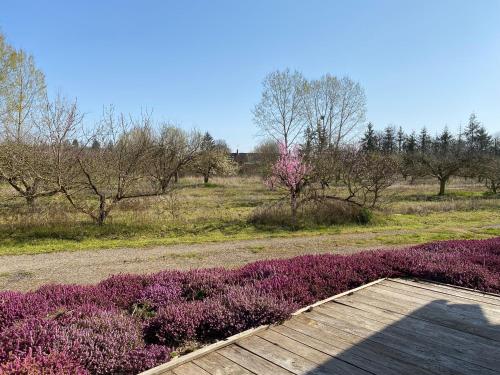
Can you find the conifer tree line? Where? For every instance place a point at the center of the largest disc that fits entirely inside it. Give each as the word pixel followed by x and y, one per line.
pixel 469 153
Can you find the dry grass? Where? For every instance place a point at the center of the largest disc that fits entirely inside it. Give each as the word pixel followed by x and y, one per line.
pixel 221 210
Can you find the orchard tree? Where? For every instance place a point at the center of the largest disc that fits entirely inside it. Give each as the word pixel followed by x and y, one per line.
pixel 279 114
pixel 173 150
pixel 442 158
pixel 366 175
pixel 290 172
pixel 491 174
pixel 115 171
pixel 267 153
pixel 213 159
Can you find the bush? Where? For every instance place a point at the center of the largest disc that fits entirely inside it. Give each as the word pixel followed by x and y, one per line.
pixel 128 323
pixel 48 364
pixel 174 324
pixel 311 213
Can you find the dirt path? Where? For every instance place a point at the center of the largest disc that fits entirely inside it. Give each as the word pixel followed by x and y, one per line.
pixel 26 272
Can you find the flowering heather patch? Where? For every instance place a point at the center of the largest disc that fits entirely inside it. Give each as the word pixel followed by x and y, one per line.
pixel 129 323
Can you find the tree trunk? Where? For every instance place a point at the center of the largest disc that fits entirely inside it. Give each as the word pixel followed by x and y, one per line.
pixel 164 185
pixel 205 178
pixel 494 187
pixel 176 177
pixel 31 201
pixel 103 213
pixel 293 207
pixel 442 185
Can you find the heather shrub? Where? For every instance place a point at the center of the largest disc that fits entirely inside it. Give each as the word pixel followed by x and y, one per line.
pixel 29 336
pixel 15 306
pixel 160 295
pixel 123 290
pixel 71 296
pixel 104 342
pixel 240 309
pixel 200 284
pixel 174 324
pixel 251 307
pixel 218 321
pixel 128 323
pixel 54 363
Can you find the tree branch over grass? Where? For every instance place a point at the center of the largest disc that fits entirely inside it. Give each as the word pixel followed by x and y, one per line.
pixel 113 168
pixel 173 150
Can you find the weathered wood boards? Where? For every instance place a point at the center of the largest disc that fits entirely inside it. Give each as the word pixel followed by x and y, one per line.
pixel 392 326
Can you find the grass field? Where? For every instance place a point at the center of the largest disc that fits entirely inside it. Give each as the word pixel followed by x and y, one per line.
pixel 219 211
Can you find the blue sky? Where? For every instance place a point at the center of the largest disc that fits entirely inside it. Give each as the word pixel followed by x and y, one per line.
pixel 200 63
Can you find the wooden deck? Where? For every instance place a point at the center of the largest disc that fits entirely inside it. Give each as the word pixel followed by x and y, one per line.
pixel 391 326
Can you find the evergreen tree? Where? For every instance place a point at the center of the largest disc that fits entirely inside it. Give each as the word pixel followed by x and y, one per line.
pixel 369 140
pixel 471 132
pixel 410 144
pixel 424 140
pixel 483 140
pixel 400 139
pixel 444 141
pixel 388 140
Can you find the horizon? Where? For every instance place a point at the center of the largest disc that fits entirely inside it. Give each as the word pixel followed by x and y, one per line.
pixel 422 64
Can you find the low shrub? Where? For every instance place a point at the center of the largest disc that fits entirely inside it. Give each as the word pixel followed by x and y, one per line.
pixel 129 323
pixel 47 364
pixel 311 213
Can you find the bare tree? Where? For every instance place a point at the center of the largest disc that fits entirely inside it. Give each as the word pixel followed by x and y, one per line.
pixel 173 150
pixel 444 158
pixel 334 108
pixel 113 171
pixel 351 110
pixel 366 175
pixel 321 102
pixel 267 152
pixel 491 173
pixel 279 113
pixel 22 101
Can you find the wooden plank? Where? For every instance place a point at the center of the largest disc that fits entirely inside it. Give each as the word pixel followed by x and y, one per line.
pixel 439 312
pixel 430 295
pixel 326 361
pixel 475 345
pixel 159 370
pixel 359 345
pixel 453 289
pixel 216 364
pixel 281 357
pixel 443 362
pixel 461 345
pixel 251 361
pixel 364 286
pixel 189 369
pixel 373 363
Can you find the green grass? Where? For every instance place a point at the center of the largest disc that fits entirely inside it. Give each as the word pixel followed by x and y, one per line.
pixel 220 212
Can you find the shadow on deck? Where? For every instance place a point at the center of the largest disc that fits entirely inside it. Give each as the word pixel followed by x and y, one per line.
pixel 438 338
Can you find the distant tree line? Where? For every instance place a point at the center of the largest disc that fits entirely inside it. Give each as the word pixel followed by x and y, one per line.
pixel 319 122
pixel 471 153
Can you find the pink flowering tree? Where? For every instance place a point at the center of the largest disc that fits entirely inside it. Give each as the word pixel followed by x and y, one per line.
pixel 289 172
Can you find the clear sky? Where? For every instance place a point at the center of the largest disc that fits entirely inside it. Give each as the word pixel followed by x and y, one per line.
pixel 200 63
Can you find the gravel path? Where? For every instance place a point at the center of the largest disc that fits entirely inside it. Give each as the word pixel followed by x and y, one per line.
pixel 27 272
